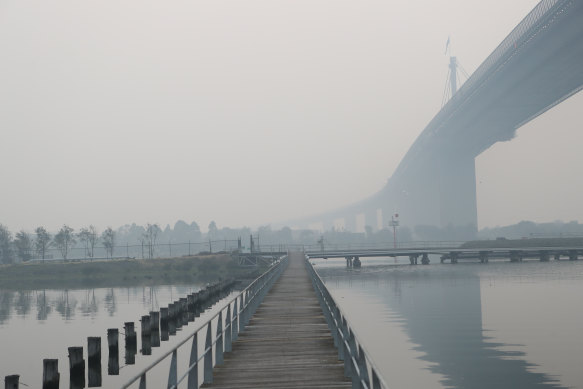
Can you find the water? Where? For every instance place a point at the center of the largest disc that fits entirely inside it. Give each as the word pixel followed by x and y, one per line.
pixel 470 325
pixel 42 324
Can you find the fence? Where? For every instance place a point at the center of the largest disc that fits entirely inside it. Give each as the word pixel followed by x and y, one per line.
pixel 357 365
pixel 226 331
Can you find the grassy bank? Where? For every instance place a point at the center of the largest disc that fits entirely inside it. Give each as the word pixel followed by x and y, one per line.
pixel 516 243
pixel 123 272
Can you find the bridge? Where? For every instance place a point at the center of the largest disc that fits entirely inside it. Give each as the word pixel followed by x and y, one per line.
pixel 537 66
pixel 452 253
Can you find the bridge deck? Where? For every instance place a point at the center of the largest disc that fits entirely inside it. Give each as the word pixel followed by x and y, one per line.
pixel 287 343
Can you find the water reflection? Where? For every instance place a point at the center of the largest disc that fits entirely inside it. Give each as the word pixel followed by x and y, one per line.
pixel 45 323
pixel 42 307
pixel 440 311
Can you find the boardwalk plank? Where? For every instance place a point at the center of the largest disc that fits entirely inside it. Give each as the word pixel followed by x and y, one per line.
pixel 287 343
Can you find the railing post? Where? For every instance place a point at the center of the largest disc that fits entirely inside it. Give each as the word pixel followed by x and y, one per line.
pixel 242 314
pixel 219 345
pixel 376 383
pixel 228 330
pixel 208 356
pixel 347 359
pixel 143 381
pixel 173 374
pixel 355 374
pixel 193 373
pixel 362 366
pixel 340 344
pixel 235 321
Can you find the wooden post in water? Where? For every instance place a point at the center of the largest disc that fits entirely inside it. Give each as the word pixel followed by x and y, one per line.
pixel 51 374
pixel 184 309
pixel 178 314
pixel 94 361
pixel 94 349
pixel 155 320
pixel 155 328
pixel 164 324
pixel 113 348
pixel 145 325
pixel 11 381
pixel 146 335
pixel 190 298
pixel 76 367
pixel 131 344
pixel 172 319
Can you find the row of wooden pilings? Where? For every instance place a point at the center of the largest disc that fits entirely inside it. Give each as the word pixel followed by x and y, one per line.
pixel 155 327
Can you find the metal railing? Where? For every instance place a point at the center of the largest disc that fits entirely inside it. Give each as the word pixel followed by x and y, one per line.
pixel 357 365
pixel 244 306
pixel 381 245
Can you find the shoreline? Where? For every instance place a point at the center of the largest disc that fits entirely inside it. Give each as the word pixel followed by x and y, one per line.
pixel 121 272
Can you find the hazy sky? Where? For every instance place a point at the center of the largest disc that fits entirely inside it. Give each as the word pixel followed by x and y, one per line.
pixel 248 112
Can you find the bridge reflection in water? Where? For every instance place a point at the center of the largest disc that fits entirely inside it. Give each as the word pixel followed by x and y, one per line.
pixel 440 312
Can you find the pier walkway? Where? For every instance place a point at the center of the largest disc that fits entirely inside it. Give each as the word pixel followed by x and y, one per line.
pixel 287 343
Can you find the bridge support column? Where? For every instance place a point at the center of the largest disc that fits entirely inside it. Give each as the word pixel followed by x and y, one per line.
pixel 425 259
pixel 483 256
pixel 544 256
pixel 457 191
pixel 413 259
pixel 348 262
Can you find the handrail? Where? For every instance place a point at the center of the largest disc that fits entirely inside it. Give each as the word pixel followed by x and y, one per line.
pixel 356 360
pixel 249 298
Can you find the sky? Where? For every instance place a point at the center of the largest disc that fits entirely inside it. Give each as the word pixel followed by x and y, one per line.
pixel 249 112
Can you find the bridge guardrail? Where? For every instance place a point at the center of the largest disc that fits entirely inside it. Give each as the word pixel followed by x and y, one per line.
pixel 357 365
pixel 382 246
pixel 244 306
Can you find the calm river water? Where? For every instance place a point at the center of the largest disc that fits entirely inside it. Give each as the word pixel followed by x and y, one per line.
pixel 42 324
pixel 470 325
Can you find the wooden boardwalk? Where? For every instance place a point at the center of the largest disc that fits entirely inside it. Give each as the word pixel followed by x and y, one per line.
pixel 287 343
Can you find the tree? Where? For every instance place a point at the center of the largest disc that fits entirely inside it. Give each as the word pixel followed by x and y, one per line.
pixel 64 240
pixel 84 238
pixel 150 236
pixel 213 230
pixel 42 242
pixel 23 244
pixel 6 255
pixel 108 238
pixel 89 238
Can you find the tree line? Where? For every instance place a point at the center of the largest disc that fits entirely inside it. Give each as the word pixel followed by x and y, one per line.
pixel 23 246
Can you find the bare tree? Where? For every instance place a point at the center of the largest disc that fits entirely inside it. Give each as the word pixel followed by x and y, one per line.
pixel 150 236
pixel 83 236
pixel 93 237
pixel 23 244
pixel 108 238
pixel 64 240
pixel 5 245
pixel 89 238
pixel 42 242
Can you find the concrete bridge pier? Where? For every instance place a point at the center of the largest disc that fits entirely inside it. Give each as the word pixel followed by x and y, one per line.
pixel 457 191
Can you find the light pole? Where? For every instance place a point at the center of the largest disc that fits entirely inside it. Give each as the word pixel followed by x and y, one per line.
pixel 394 223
